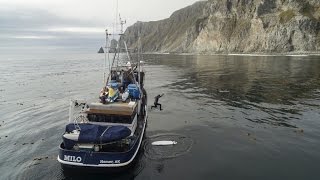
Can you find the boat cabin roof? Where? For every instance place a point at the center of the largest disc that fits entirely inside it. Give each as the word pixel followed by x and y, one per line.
pixel 115 108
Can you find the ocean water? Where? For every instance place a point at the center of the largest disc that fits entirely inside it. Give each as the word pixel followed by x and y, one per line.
pixel 234 117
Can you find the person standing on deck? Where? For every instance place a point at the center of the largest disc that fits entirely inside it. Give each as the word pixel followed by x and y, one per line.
pixel 156 102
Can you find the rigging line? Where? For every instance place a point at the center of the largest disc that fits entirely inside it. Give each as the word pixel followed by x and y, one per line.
pixel 114 57
pixel 113 31
pixel 104 68
pixel 119 51
pixel 109 57
pixel 125 45
pixel 108 47
pixel 131 64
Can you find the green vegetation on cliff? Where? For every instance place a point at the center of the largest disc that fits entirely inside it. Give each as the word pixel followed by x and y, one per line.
pixel 286 16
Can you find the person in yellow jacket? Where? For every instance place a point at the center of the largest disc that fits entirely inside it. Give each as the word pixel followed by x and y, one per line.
pixel 113 93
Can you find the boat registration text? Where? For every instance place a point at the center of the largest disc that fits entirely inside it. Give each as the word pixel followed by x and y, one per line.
pixel 110 162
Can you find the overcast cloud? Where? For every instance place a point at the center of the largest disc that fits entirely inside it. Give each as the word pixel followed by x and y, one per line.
pixel 33 26
pixel 48 19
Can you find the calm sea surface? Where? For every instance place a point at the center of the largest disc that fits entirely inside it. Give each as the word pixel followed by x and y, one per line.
pixel 234 117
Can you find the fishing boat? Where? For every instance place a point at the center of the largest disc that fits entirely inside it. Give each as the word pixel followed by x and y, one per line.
pixel 108 132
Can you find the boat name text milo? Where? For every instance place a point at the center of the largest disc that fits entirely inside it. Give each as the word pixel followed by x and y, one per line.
pixel 72 158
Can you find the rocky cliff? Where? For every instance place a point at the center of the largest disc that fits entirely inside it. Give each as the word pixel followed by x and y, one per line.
pixel 220 26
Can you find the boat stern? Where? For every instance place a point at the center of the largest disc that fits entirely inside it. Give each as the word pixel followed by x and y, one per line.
pixel 89 158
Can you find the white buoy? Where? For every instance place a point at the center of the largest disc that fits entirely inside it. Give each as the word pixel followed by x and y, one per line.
pixel 163 143
pixel 224 91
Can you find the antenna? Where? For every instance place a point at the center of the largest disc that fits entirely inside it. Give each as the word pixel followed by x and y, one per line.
pixel 116 19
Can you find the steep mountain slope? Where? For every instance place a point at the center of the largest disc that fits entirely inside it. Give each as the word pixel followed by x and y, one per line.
pixel 233 26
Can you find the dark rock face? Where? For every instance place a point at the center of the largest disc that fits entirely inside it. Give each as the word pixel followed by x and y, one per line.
pixel 233 26
pixel 266 7
pixel 113 46
pixel 101 50
pixel 175 33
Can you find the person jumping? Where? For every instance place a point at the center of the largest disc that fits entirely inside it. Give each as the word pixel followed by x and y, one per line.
pixel 156 103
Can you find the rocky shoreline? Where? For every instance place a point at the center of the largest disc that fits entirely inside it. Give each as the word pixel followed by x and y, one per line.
pixel 316 53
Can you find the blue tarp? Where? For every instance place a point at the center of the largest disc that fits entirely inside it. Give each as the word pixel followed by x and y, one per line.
pixel 90 133
pixel 134 91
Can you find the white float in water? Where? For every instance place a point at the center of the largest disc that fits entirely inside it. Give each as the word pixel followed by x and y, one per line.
pixel 224 91
pixel 163 143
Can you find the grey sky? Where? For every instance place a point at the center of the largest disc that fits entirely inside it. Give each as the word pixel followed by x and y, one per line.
pixel 63 26
pixel 48 19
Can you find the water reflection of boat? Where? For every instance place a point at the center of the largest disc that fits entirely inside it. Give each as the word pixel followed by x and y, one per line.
pixel 108 133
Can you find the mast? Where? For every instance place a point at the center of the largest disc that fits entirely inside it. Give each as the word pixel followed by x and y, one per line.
pixel 105 57
pixel 123 22
pixel 118 49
